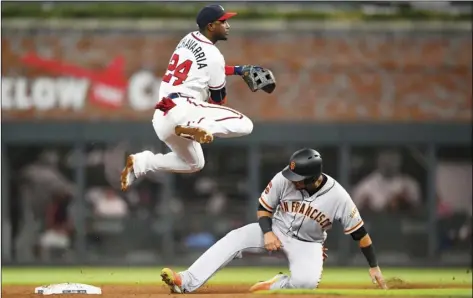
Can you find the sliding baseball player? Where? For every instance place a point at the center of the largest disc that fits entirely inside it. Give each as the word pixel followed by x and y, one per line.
pixel 295 211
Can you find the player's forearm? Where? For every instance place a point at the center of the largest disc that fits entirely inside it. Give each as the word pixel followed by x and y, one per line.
pixel 233 70
pixel 261 213
pixel 367 248
pixel 366 245
pixel 265 221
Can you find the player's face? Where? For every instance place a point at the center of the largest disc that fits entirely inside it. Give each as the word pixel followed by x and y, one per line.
pixel 221 30
pixel 299 185
pixel 313 184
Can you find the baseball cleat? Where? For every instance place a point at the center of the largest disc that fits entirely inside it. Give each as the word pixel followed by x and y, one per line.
pixel 266 285
pixel 173 280
pixel 194 133
pixel 128 176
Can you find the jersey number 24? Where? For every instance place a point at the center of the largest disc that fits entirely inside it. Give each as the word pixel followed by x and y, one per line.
pixel 177 70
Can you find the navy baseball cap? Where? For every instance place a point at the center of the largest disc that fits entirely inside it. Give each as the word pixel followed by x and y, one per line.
pixel 212 13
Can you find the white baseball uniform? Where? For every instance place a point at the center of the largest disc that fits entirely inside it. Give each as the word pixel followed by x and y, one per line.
pixel 195 67
pixel 300 221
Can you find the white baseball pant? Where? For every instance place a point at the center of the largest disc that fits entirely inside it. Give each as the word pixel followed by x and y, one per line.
pixel 187 155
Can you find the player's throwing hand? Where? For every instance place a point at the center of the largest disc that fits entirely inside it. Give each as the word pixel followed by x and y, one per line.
pixel 272 242
pixel 377 277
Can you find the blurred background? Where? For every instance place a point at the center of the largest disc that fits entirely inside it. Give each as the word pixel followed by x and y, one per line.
pixel 382 89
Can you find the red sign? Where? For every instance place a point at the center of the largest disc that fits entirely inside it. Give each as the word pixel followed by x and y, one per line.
pixel 108 86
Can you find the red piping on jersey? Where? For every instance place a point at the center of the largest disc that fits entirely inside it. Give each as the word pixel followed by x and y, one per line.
pixel 166 104
pixel 238 115
pixel 192 34
pixel 231 117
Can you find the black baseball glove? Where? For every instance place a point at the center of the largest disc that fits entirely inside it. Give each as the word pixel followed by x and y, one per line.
pixel 258 78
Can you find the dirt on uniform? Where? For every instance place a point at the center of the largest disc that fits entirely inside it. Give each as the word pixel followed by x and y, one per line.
pixel 221 291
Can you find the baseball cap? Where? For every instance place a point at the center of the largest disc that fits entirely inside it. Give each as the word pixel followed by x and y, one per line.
pixel 212 13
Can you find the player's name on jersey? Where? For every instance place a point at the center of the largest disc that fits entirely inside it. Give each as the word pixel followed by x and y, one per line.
pixel 307 211
pixel 193 46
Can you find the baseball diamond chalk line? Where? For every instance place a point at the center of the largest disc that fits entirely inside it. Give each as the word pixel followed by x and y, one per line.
pixel 234 282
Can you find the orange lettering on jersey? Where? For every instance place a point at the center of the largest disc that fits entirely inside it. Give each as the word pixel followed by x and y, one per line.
pixel 285 207
pixel 302 209
pixel 353 212
pixel 315 212
pixel 268 188
pixel 297 207
pixel 326 223
pixel 308 211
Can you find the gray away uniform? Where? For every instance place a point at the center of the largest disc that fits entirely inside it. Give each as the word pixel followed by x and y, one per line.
pixel 300 221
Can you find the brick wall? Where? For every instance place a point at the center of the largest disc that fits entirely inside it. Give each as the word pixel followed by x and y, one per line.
pixel 335 76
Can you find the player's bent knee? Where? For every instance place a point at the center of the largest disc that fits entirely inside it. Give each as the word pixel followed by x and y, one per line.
pixel 197 165
pixel 305 282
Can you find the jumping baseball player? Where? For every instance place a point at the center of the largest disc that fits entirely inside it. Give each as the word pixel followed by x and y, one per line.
pixel 190 110
pixel 296 209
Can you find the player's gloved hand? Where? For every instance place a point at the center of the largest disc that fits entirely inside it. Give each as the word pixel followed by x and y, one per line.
pixel 377 277
pixel 257 78
pixel 271 242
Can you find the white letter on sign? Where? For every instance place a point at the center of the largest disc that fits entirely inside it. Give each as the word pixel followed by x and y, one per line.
pixel 7 90
pixel 72 93
pixel 140 98
pixel 21 98
pixel 43 93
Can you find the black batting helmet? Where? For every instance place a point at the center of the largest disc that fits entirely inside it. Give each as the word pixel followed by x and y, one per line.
pixel 304 165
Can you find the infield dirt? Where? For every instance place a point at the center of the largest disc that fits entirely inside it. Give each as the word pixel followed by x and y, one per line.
pixel 224 291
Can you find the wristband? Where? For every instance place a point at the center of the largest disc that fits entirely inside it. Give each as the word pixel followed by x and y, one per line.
pixel 238 70
pixel 370 256
pixel 233 70
pixel 265 223
pixel 229 70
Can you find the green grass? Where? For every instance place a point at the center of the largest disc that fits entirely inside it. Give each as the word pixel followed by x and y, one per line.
pixel 231 275
pixel 399 293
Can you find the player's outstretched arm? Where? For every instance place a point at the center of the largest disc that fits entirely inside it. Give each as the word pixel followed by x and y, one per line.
pixel 350 218
pixel 366 246
pixel 238 70
pixel 256 77
pixel 234 70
